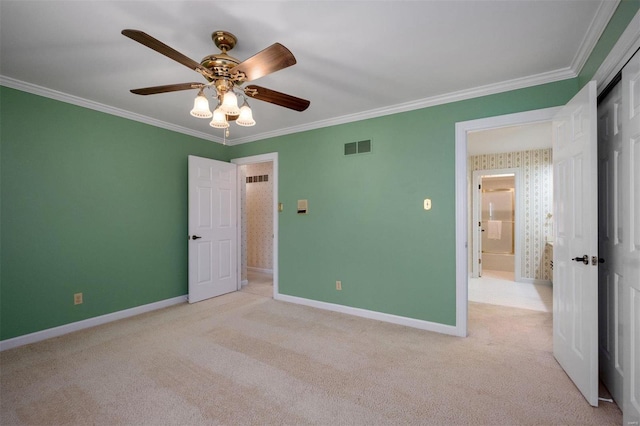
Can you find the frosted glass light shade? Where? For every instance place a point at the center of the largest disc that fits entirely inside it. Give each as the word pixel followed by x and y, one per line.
pixel 230 103
pixel 219 120
pixel 201 107
pixel 246 117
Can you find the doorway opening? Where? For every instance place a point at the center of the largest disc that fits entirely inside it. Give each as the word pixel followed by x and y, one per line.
pixel 497 211
pixel 496 221
pixel 463 191
pixel 510 218
pixel 258 224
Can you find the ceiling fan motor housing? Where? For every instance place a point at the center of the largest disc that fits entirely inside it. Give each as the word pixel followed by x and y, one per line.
pixel 224 40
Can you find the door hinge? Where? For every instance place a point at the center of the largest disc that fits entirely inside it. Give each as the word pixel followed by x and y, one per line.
pixel 480 261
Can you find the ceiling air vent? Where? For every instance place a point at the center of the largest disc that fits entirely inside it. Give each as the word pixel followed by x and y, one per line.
pixel 357 147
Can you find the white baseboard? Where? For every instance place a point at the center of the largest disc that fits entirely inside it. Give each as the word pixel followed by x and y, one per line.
pixel 261 270
pixel 244 283
pixel 90 322
pixel 364 313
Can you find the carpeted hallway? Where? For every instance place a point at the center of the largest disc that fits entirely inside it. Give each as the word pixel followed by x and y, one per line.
pixel 247 359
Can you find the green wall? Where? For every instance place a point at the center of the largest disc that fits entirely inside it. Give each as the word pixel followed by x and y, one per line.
pixel 97 204
pixel 91 203
pixel 366 224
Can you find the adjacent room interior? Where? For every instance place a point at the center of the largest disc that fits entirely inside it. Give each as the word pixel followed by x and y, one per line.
pixel 508 165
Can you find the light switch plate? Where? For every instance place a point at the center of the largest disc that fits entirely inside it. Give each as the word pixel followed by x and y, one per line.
pixel 303 207
pixel 427 204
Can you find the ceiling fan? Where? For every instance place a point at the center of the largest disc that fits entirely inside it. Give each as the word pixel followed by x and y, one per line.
pixel 226 75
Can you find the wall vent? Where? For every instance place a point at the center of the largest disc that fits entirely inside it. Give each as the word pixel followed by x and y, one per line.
pixel 350 148
pixel 359 147
pixel 364 146
pixel 255 179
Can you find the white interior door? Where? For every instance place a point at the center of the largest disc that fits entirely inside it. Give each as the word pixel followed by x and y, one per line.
pixel 631 222
pixel 610 237
pixel 575 283
pixel 213 241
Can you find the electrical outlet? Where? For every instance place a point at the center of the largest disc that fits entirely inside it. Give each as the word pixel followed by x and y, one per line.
pixel 338 285
pixel 77 299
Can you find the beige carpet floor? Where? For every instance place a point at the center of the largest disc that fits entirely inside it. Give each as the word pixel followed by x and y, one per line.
pixel 259 283
pixel 247 359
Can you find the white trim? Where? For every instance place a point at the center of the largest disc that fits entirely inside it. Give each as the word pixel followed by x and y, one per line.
pixel 88 323
pixel 491 89
pixel 260 270
pixel 244 283
pixel 263 158
pixel 622 51
pixel 596 28
pixel 84 103
pixel 379 316
pixel 462 219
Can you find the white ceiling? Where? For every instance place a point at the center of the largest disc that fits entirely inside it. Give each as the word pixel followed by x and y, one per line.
pixel 356 59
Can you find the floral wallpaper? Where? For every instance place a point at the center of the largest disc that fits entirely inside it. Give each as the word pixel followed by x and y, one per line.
pixel 259 212
pixel 537 186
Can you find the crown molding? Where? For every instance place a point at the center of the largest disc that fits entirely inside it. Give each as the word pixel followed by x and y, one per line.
pixel 596 28
pixel 622 51
pixel 85 103
pixel 505 86
pixel 491 89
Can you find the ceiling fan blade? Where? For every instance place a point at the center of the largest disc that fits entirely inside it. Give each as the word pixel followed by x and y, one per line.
pixel 271 59
pixel 169 52
pixel 167 88
pixel 277 98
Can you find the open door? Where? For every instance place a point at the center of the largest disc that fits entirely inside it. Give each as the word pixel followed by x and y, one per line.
pixel 631 223
pixel 213 242
pixel 575 261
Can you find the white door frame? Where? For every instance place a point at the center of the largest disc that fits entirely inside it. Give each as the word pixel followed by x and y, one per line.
pixel 517 234
pixel 254 159
pixel 462 212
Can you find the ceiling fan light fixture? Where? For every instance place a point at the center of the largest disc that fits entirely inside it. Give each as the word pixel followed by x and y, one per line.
pixel 246 116
pixel 201 107
pixel 219 120
pixel 230 103
pixel 225 75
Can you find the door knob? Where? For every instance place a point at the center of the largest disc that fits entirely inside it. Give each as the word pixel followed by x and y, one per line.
pixel 195 237
pixel 584 259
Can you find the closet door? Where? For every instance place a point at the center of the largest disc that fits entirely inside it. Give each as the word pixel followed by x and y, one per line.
pixel 631 223
pixel 610 247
